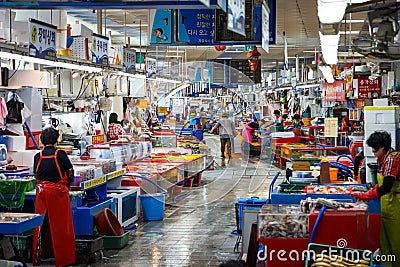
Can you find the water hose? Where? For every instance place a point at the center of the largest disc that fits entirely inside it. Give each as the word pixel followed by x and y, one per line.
pixel 271 187
pixel 317 222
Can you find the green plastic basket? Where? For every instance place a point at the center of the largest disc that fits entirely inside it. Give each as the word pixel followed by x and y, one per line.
pixel 22 241
pixel 292 187
pixel 116 242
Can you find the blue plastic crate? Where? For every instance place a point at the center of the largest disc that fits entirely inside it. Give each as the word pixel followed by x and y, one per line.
pixel 252 203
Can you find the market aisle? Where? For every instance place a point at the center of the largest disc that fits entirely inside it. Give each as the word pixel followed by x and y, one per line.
pixel 196 231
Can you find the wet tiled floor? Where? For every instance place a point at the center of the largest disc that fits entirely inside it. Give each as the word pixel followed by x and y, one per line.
pixel 196 229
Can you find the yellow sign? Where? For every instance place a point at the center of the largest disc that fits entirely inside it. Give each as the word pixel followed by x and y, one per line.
pixel 331 127
pixel 94 182
pixel 115 174
pixel 97 139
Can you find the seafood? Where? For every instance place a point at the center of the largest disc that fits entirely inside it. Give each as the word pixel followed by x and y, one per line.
pixel 282 221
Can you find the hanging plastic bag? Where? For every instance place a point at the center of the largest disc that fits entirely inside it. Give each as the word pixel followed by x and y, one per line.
pixel 14 108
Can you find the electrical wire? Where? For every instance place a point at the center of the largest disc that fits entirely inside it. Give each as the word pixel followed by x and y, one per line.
pixel 19 64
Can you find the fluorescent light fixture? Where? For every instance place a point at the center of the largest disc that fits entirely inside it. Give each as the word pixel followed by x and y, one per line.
pixel 329 47
pixel 46 62
pixel 331 11
pixel 129 75
pixel 353 21
pixel 349 32
pixel 164 80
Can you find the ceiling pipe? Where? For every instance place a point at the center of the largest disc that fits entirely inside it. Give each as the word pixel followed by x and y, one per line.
pixel 99 21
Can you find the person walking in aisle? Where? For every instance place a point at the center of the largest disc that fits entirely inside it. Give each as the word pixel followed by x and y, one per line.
pixel 54 173
pixel 227 130
pixel 388 190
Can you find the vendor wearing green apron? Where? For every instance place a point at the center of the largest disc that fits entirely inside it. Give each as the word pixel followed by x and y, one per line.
pixel 388 189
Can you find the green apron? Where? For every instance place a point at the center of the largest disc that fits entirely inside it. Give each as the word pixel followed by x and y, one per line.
pixel 390 223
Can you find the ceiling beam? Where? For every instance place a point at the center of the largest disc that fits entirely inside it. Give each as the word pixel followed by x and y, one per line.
pixel 110 4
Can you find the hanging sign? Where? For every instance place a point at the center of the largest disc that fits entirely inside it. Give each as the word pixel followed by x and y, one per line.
pixel 151 67
pixel 236 15
pixel 99 49
pixel 369 88
pixel 161 27
pixel 196 26
pixel 42 40
pixel 272 21
pixel 129 60
pixel 265 28
pixel 333 91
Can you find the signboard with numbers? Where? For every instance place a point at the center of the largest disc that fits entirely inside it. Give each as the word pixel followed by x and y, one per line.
pixel 236 15
pixel 42 40
pixel 333 91
pixel 99 49
pixel 151 67
pixel 129 60
pixel 369 88
pixel 196 26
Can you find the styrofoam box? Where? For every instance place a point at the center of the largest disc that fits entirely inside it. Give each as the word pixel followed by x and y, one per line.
pixel 383 102
pixel 381 115
pixel 16 143
pixel 372 127
pixel 23 158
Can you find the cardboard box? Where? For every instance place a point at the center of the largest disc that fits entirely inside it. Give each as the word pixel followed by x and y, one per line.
pixel 301 166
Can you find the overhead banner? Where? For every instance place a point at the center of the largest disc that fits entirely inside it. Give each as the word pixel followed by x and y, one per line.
pixel 129 60
pixel 196 26
pixel 236 15
pixel 42 40
pixel 265 28
pixel 151 67
pixel 161 27
pixel 99 49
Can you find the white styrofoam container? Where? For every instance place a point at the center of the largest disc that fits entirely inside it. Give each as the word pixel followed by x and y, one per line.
pixel 367 150
pixel 382 102
pixel 16 143
pixel 381 115
pixel 372 127
pixel 30 78
pixel 81 30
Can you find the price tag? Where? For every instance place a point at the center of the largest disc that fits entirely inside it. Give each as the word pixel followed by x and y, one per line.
pixel 97 139
pixel 99 49
pixel 94 182
pixel 42 40
pixel 115 174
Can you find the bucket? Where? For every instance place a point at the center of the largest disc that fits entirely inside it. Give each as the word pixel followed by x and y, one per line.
pixel 333 173
pixel 153 206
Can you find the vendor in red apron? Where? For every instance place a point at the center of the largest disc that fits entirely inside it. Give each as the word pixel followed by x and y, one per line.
pixel 388 190
pixel 54 173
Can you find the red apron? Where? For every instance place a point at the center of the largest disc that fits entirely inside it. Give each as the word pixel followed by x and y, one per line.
pixel 52 200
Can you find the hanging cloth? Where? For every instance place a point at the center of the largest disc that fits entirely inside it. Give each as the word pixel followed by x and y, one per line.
pixel 3 111
pixel 52 201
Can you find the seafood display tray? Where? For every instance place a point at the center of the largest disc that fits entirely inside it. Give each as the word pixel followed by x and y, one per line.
pixel 19 222
pixel 337 254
